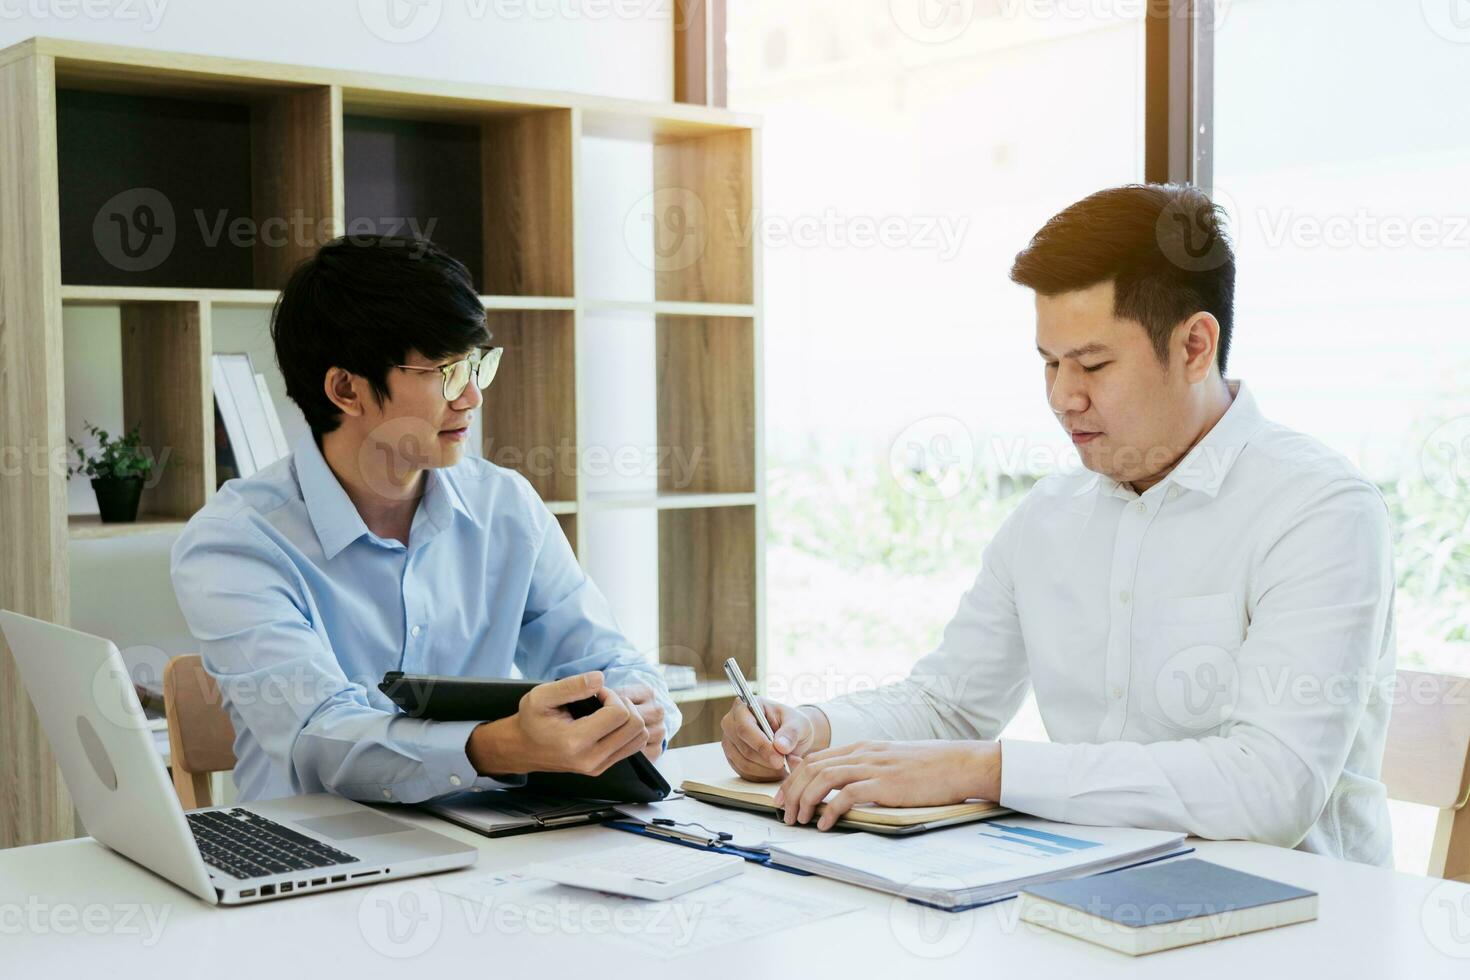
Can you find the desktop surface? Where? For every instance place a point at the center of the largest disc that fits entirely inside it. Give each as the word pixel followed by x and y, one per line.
pixel 75 906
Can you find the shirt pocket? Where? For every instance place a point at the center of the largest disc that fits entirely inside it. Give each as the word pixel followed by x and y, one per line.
pixel 1190 681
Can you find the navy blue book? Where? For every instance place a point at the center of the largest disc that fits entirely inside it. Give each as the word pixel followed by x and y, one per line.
pixel 1162 906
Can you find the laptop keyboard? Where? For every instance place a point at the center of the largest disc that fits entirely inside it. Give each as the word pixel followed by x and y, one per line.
pixel 246 845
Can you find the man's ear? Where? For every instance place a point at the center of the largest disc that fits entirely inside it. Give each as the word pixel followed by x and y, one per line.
pixel 344 389
pixel 1199 338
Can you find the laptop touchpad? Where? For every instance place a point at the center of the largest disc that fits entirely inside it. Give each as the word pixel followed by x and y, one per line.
pixel 360 823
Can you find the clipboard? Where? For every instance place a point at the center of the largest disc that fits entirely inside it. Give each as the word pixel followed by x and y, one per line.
pixel 631 780
pixel 683 839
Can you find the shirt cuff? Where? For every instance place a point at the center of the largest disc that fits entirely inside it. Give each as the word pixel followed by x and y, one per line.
pixel 446 766
pixel 1035 778
pixel 846 722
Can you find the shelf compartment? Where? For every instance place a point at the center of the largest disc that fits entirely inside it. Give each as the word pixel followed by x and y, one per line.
pixel 706 403
pixel 494 192
pixel 702 717
pixel 528 203
pixel 166 393
pixel 703 213
pixel 707 588
pixel 530 412
pixel 218 190
pixel 414 177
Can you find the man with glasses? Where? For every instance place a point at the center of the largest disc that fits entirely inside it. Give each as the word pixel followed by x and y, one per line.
pixel 379 545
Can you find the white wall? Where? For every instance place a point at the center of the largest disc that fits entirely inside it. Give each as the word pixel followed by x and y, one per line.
pixel 584 47
pixel 610 47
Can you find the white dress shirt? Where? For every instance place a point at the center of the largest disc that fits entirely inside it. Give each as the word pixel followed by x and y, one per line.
pixel 1215 656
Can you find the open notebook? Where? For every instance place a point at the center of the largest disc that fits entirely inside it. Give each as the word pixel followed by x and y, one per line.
pixel 761 798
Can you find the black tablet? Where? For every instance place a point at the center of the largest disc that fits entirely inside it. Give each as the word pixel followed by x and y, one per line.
pixel 632 780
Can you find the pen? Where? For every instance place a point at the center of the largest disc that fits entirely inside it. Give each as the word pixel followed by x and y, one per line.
pixel 747 697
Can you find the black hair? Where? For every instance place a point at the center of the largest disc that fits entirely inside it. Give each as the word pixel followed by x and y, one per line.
pixel 362 303
pixel 1163 246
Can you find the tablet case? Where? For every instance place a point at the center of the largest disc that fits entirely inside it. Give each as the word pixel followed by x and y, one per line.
pixel 631 780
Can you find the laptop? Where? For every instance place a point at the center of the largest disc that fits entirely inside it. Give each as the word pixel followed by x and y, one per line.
pixel 230 855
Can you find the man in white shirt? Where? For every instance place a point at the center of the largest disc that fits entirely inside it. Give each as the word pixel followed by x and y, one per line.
pixel 1205 613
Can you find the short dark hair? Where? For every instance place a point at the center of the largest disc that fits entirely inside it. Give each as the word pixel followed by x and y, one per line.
pixel 362 303
pixel 1163 246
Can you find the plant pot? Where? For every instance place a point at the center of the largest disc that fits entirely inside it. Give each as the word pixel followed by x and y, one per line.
pixel 117 498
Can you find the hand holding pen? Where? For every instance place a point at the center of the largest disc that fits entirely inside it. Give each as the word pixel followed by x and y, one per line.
pixel 761 737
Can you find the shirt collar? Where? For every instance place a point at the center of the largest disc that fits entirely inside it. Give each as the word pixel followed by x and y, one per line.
pixel 333 514
pixel 1205 467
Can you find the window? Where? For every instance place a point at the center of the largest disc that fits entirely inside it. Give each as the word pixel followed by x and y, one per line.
pixel 906 160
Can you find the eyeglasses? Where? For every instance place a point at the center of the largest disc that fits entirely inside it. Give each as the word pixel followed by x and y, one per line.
pixel 481 365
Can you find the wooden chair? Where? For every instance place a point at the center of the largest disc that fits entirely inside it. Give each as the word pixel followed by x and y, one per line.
pixel 1427 761
pixel 200 737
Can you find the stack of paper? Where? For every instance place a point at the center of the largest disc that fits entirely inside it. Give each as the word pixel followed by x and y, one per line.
pixel 244 405
pixel 974 864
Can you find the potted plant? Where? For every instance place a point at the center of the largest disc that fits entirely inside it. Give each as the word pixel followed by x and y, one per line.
pixel 118 469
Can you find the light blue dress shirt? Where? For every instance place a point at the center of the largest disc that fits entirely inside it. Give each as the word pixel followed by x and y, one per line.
pixel 299 610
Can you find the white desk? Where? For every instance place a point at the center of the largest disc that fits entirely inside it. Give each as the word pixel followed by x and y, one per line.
pixel 92 907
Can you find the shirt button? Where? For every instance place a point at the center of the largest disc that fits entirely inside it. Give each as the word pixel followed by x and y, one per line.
pixel 454 780
pixel 1124 596
pixel 387 794
pixel 1173 492
pixel 1117 693
pixel 1141 507
pixel 416 631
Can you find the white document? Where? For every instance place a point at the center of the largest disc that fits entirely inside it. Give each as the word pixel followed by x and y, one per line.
pixel 229 412
pixel 240 374
pixel 976 862
pixel 728 911
pixel 273 420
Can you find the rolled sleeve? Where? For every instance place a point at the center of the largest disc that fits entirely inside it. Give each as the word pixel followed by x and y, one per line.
pixel 570 629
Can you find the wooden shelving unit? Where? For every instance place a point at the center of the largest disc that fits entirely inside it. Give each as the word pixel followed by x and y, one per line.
pixel 100 142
